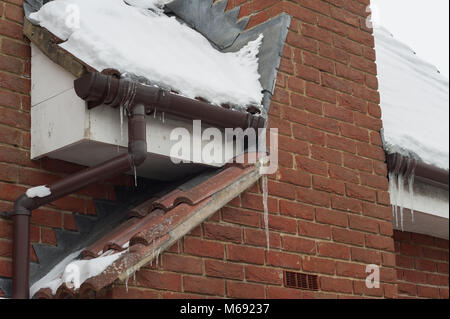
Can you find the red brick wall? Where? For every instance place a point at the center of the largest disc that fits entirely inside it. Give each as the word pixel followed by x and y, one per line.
pixel 17 171
pixel 422 265
pixel 329 205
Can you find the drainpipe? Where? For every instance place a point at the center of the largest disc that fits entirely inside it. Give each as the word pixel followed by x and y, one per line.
pixel 137 100
pixel 98 89
pixel 24 205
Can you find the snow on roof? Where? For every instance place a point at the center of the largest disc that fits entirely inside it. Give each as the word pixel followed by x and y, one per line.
pixel 414 101
pixel 127 36
pixel 73 272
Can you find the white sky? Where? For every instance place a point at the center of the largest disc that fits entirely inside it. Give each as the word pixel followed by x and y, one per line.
pixel 421 24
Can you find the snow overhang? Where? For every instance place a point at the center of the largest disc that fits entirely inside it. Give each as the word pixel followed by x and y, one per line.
pixel 223 29
pixel 414 99
pixel 62 127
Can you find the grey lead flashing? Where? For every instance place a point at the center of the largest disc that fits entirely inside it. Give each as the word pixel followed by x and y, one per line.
pixel 229 35
pixel 6 286
pixel 109 214
pixel 220 27
pixel 275 32
pixel 30 6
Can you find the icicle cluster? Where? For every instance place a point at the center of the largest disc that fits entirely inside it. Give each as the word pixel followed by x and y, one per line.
pixel 397 191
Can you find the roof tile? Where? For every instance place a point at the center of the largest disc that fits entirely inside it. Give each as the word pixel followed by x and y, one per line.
pixel 148 230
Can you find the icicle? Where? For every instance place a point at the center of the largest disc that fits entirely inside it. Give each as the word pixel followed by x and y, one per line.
pixel 126 283
pixel 157 257
pixel 121 122
pixel 266 209
pixel 401 195
pixel 135 175
pixel 154 113
pixel 393 192
pixel 411 194
pixel 163 119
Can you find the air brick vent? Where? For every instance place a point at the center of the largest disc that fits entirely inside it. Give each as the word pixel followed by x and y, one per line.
pixel 299 280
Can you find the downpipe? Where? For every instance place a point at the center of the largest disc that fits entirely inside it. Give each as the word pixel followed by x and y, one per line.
pixel 137 100
pixel 24 205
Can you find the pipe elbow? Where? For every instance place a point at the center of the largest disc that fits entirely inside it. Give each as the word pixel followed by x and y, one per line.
pixel 23 205
pixel 138 152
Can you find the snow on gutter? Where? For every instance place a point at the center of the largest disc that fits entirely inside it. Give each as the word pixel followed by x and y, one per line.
pixel 73 273
pixel 142 43
pixel 414 102
pixel 414 99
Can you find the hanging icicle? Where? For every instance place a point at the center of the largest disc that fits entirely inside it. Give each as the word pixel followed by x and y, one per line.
pixel 400 197
pixel 393 191
pixel 121 110
pixel 411 193
pixel 265 192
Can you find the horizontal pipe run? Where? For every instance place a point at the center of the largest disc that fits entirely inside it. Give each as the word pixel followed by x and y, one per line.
pixel 423 172
pixel 97 89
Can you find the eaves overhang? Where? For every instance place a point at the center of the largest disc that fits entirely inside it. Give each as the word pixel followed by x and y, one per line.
pixel 419 196
pixel 425 173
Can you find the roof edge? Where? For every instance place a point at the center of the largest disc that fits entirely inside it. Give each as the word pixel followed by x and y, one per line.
pixel 218 200
pixel 426 173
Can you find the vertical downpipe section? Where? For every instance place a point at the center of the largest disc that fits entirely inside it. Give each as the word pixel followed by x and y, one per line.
pixel 21 264
pixel 137 135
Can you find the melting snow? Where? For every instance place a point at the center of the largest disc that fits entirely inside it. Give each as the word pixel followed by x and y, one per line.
pixel 147 43
pixel 74 272
pixel 38 191
pixel 414 101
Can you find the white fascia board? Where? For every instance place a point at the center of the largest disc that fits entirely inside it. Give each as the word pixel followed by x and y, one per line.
pixel 431 210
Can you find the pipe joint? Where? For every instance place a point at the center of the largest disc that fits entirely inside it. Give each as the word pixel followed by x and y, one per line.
pixel 23 206
pixel 138 152
pixel 137 142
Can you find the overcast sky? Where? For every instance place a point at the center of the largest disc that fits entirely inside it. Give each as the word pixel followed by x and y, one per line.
pixel 421 24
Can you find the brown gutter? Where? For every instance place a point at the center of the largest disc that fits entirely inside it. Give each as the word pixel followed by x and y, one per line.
pixel 424 173
pixel 97 89
pixel 137 100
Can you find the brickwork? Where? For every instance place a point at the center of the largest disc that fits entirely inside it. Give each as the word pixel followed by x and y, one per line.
pixel 422 266
pixel 328 203
pixel 17 171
